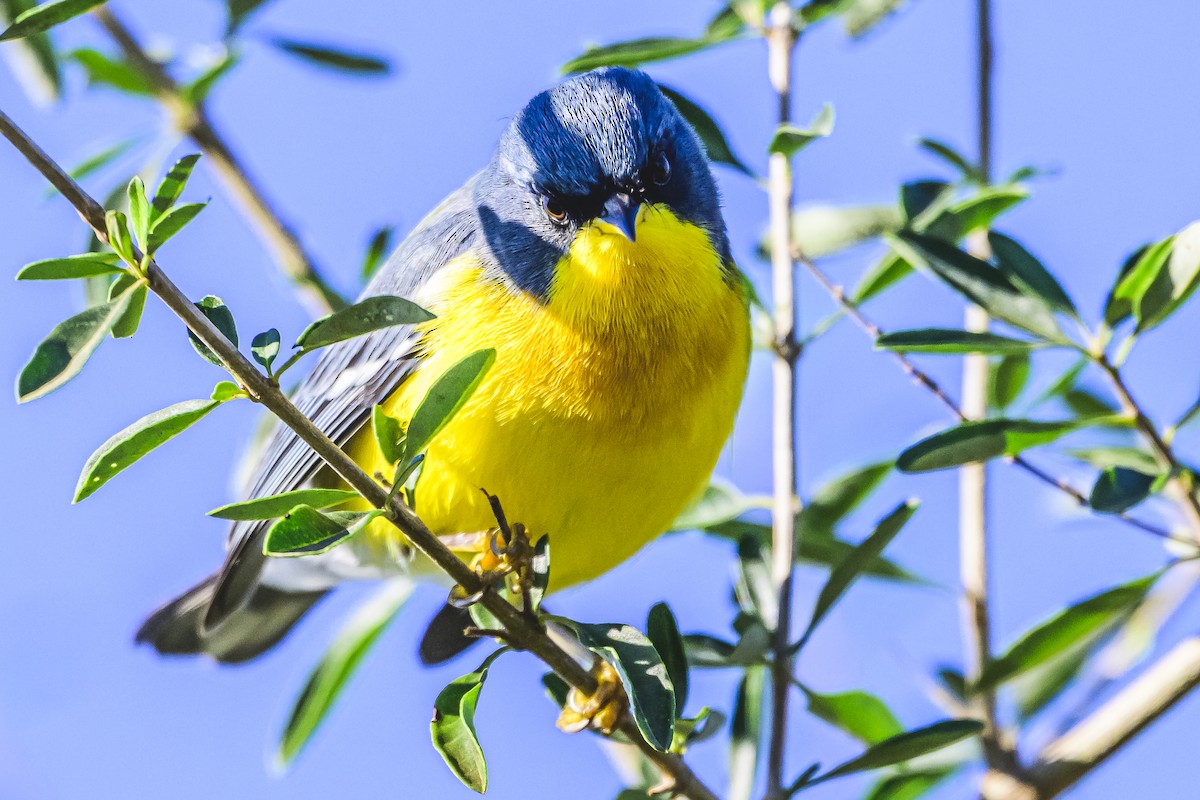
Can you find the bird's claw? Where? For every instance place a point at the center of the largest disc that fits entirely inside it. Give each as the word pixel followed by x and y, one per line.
pixel 600 710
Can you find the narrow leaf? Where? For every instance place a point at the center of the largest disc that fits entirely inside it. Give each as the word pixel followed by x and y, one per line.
pixel 1006 379
pixel 137 440
pixel 1119 489
pixel 85 265
pixel 445 397
pixel 908 785
pixel 64 352
pixel 171 223
pixel 720 502
pixel 636 52
pixel 976 441
pixel 834 500
pixel 789 139
pixel 371 314
pixel 103 70
pixel 127 324
pixel 952 157
pixel 278 505
pixel 389 435
pixel 377 249
pixel 859 714
pixel 715 144
pixel 139 209
pixel 453 726
pixel 221 317
pixel 906 747
pixel 942 340
pixel 172 185
pixel 46 16
pixel 304 531
pixel 1174 283
pixel 32 58
pixel 335 58
pixel 1023 269
pixel 745 734
pixel 663 632
pixel 118 235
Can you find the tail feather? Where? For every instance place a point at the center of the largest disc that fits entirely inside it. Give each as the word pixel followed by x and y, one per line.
pixel 178 627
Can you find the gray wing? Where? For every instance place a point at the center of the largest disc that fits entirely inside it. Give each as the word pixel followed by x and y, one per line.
pixel 349 378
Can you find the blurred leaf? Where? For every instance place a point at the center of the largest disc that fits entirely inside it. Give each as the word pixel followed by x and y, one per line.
pixel 280 504
pixel 663 633
pixel 1063 383
pixel 1007 379
pixel 976 441
pixel 99 161
pixel 105 71
pixel 1118 306
pixel 1023 269
pixel 720 502
pixel 327 680
pixel 754 589
pixel 1118 489
pixel 304 531
pixel 725 24
pixel 905 747
pixel 643 675
pixel 370 314
pixel 377 250
pixel 975 212
pixel 942 340
pixel 198 90
pixel 453 726
pixel 704 651
pixel 745 734
pixel 861 16
pixel 171 188
pixel 1174 282
pixel 834 500
pixel 265 347
pixel 955 159
pixel 887 272
pixel 127 324
pixel 789 139
pixel 64 352
pixel 80 266
pixel 917 197
pixel 32 58
pixel 636 52
pixel 221 317
pixel 908 785
pixel 849 570
pixel 985 286
pixel 1106 457
pixel 820 231
pixel 715 143
pixel 824 552
pixel 1126 297
pixel 448 394
pixel 1066 628
pixel 239 11
pixel 137 440
pixel 1040 686
pixel 171 223
pixel 859 714
pixel 46 16
pixel 1087 404
pixel 335 58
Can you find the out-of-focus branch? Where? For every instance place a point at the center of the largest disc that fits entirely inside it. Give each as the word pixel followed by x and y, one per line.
pixel 520 631
pixel 781 43
pixel 191 118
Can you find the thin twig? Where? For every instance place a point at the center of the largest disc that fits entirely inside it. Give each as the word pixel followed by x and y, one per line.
pixel 521 631
pixel 781 43
pixel 192 119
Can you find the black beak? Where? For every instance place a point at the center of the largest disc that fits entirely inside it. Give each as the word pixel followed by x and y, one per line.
pixel 621 212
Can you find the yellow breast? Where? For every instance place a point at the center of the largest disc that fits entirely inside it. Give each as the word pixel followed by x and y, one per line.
pixel 608 403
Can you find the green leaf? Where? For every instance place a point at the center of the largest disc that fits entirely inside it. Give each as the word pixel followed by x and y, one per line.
pixel 663 633
pixel 1008 377
pixel 304 531
pixel 371 314
pixel 955 159
pixel 238 12
pixel 102 159
pixel 85 265
pixel 942 340
pixel 636 52
pixel 1066 628
pixel 227 390
pixel 139 209
pixel 1128 457
pixel 335 58
pixel 834 500
pixel 905 747
pixel 221 317
pixel 715 144
pixel 171 223
pixel 917 197
pixel 137 440
pixel 745 734
pixel 1174 282
pixel 849 570
pixel 105 71
pixel 1133 278
pixel 985 286
pixel 63 353
pixel 754 590
pixel 265 347
pixel 720 502
pixel 824 230
pixel 280 504
pixel 445 397
pixel 198 90
pixel 127 324
pixel 861 16
pixel 46 16
pixel 789 139
pixel 377 250
pixel 389 435
pixel 642 672
pixel 171 188
pixel 1119 489
pixel 908 785
pixel 953 221
pixel 331 674
pixel 453 726
pixel 859 714
pixel 1088 405
pixel 118 235
pixel 976 441
pixel 32 58
pixel 1023 269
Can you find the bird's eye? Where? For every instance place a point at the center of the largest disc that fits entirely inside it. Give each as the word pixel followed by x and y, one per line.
pixel 555 211
pixel 662 169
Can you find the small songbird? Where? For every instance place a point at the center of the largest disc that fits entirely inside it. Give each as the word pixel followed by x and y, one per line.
pixel 591 254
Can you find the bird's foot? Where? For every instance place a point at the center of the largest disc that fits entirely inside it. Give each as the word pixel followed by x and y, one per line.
pixel 600 710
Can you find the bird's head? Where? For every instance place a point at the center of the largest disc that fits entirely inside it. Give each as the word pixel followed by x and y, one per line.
pixel 591 157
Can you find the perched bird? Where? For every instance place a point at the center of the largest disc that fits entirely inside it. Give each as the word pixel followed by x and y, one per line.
pixel 591 254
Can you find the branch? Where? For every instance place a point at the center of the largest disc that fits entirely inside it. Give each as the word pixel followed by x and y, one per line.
pixel 522 632
pixel 781 43
pixel 192 119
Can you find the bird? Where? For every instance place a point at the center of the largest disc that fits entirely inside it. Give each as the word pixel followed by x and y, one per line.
pixel 592 255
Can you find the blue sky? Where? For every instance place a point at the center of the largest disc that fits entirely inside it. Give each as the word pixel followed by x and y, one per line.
pixel 1100 92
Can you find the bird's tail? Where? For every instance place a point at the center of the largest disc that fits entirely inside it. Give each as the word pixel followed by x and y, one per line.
pixel 176 628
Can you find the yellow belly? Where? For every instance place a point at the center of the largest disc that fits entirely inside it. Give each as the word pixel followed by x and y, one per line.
pixel 607 406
